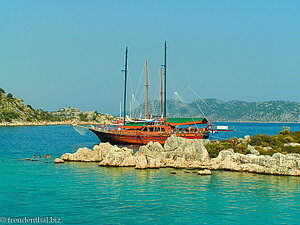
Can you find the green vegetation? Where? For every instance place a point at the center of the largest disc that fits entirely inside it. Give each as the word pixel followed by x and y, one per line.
pixel 46 116
pixel 14 109
pixel 234 143
pixel 264 144
pixel 8 116
pixel 83 117
pixel 267 145
pixel 30 107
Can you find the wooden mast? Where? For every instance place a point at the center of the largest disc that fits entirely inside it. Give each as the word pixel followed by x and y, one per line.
pixel 161 92
pixel 147 86
pixel 125 70
pixel 165 75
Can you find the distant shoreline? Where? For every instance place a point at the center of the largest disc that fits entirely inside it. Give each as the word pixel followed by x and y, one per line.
pixel 251 122
pixel 46 123
pixel 21 124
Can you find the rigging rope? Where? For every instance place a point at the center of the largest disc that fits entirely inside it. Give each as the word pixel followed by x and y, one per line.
pixel 140 80
pixel 199 97
pixel 81 131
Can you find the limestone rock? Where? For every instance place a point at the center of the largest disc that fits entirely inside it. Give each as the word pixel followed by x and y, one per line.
pixel 279 164
pixel 154 153
pixel 267 148
pixel 189 149
pixel 128 161
pixel 153 163
pixel 180 163
pixel 194 165
pixel 291 144
pixel 57 160
pixel 189 154
pixel 171 143
pixel 82 154
pixel 204 172
pixel 247 138
pixel 169 162
pixel 118 157
pixel 153 150
pixel 101 151
pixel 141 161
pixel 252 150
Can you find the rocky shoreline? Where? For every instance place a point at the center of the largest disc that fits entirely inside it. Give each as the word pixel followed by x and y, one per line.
pixel 71 122
pixel 180 153
pixel 47 123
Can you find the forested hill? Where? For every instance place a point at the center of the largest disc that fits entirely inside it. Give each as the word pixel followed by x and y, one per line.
pixel 13 111
pixel 269 111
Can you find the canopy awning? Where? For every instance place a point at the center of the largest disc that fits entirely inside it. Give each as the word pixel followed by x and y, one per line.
pixel 185 121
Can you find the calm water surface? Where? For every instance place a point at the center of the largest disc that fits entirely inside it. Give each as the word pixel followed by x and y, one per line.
pixel 84 193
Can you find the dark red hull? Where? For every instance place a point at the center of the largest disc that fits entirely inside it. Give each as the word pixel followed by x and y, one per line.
pixel 123 137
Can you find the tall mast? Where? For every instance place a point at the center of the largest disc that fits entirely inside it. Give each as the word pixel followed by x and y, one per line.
pixel 125 70
pixel 161 92
pixel 147 86
pixel 165 75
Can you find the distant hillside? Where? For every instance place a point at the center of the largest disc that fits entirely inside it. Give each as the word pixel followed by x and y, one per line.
pixel 270 111
pixel 14 111
pixel 71 113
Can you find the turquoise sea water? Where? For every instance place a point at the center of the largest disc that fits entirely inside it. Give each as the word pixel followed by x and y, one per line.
pixel 84 193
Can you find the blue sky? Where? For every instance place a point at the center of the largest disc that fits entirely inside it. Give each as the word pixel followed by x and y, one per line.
pixel 55 54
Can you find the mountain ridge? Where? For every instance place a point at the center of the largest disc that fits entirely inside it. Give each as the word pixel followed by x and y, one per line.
pixel 234 110
pixel 14 110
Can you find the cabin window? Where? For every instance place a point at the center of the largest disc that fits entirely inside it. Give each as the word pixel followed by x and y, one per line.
pixel 151 129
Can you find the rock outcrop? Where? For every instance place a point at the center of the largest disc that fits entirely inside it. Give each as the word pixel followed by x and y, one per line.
pixel 204 172
pixel 278 164
pixel 183 153
pixel 67 113
pixel 177 152
pixel 252 150
pixel 118 157
pixel 291 144
pixel 14 112
pixel 57 160
pixel 104 153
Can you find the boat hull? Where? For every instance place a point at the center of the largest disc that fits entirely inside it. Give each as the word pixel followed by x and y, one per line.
pixel 119 137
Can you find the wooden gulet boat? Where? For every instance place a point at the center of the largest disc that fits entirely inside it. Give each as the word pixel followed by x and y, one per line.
pixel 140 133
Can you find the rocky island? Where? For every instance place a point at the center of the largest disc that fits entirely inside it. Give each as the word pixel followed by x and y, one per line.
pixel 14 112
pixel 180 153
